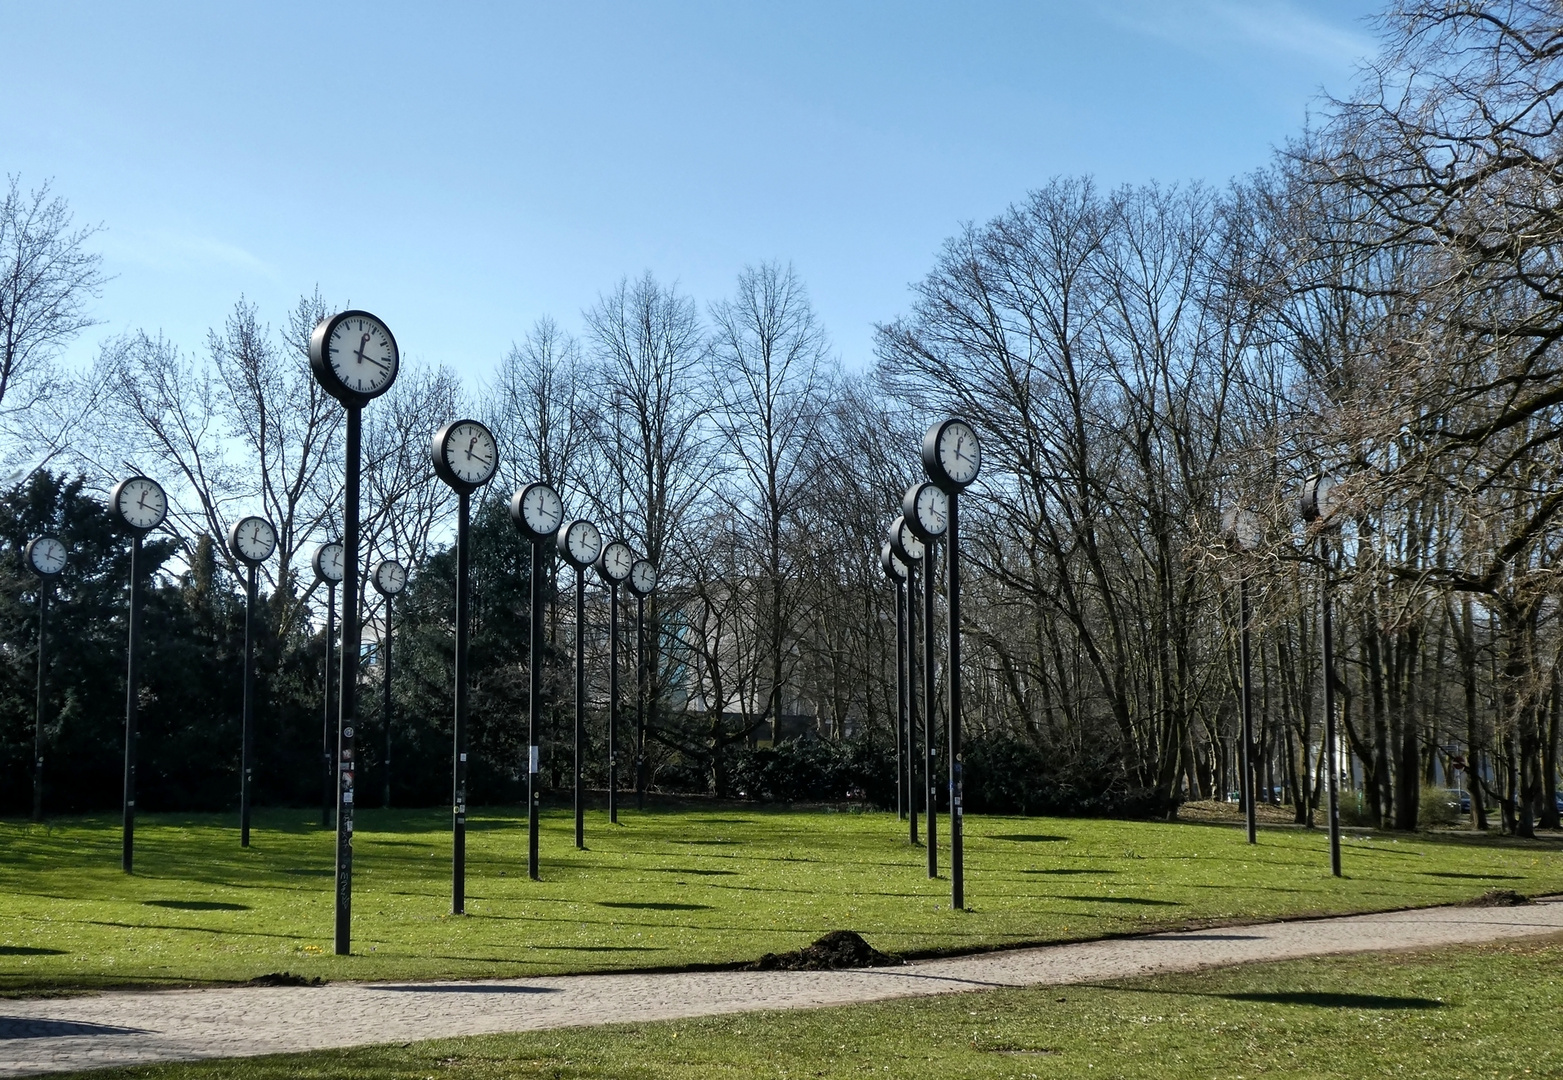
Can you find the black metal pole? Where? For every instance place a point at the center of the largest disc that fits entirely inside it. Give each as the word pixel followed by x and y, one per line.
pixel 247 735
pixel 132 708
pixel 328 775
pixel 613 704
pixel 640 701
pixel 580 704
pixel 1330 763
pixel 534 787
pixel 930 744
pixel 1249 810
pixel 930 700
pixel 902 757
pixel 952 562
pixel 458 756
pixel 43 670
pixel 347 687
pixel 385 709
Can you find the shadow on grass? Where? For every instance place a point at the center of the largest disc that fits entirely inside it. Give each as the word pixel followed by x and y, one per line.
pixel 1125 900
pixel 638 905
pixel 1322 1000
pixel 1068 870
pixel 1029 838
pixel 29 950
pixel 1471 877
pixel 691 870
pixel 196 905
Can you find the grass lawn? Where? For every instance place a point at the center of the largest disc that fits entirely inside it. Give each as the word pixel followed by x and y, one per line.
pixel 666 888
pixel 1489 1011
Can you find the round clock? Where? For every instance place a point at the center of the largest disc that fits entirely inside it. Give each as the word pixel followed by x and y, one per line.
pixel 951 456
pixel 140 503
pixel 330 562
pixel 895 569
pixel 45 555
pixel 353 356
pixel 643 577
pixel 615 562
pixel 580 542
pixel 252 539
pixel 904 541
pixel 390 577
pixel 927 511
pixel 538 509
pixel 1318 497
pixel 465 455
pixel 1241 528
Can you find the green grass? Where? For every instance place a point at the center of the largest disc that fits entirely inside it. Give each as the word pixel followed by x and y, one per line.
pixel 665 889
pixel 1453 1014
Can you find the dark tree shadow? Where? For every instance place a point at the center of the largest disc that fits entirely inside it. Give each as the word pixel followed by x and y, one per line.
pixel 196 905
pixel 652 906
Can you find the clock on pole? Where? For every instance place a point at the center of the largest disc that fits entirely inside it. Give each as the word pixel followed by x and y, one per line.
pixel 538 512
pixel 613 567
pixel 45 557
pixel 141 505
pixel 252 540
pixel 579 542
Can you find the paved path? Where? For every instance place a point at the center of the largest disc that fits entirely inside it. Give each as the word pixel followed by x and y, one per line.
pixel 121 1028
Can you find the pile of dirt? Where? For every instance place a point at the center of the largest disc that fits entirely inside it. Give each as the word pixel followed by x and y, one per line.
pixel 284 978
pixel 1498 898
pixel 837 949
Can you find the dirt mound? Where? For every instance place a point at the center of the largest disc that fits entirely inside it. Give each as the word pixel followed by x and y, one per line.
pixel 837 949
pixel 284 978
pixel 1498 898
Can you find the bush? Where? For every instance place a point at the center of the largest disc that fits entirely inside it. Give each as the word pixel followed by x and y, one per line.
pixel 813 770
pixel 1439 807
pixel 1008 773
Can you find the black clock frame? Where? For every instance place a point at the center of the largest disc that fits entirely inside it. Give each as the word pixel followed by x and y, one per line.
pixel 934 467
pixel 442 467
pixel 32 545
pixel 119 489
pixel 320 365
pixel 909 512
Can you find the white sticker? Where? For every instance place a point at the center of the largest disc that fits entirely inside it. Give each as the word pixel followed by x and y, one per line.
pixel 534 760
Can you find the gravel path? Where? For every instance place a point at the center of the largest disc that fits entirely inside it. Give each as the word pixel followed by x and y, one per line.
pixel 122 1028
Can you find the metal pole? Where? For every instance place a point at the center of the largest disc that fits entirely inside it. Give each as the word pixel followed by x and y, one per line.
pixel 930 698
pixel 390 602
pixel 613 705
pixel 43 619
pixel 347 687
pixel 132 707
pixel 952 557
pixel 458 757
pixel 1331 765
pixel 640 702
pixel 534 787
pixel 902 758
pixel 1248 796
pixel 930 798
pixel 329 774
pixel 247 736
pixel 580 704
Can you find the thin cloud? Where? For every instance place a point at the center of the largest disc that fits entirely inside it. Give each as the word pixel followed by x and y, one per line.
pixel 1218 26
pixel 164 250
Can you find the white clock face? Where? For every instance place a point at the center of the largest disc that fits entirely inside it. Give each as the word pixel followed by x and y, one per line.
pixel 907 540
pixel 47 555
pixel 582 542
pixel 471 453
pixel 542 509
pixel 892 562
pixel 959 454
pixel 362 354
pixel 331 562
pixel 933 509
pixel 255 539
pixel 141 503
pixel 617 559
pixel 643 577
pixel 390 577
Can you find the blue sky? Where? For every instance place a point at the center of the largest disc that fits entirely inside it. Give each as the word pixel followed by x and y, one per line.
pixel 463 169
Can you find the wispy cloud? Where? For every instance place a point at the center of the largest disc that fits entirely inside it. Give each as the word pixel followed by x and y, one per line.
pixel 167 250
pixel 1218 26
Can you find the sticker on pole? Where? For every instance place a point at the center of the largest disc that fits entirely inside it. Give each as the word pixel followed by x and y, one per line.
pixel 533 766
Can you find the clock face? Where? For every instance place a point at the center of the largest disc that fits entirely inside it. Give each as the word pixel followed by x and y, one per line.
pixel 468 453
pixel 538 509
pixel 330 562
pixel 904 541
pixel 616 561
pixel 927 510
pixel 390 577
pixel 46 555
pixel 253 539
pixel 581 542
pixel 959 455
pixel 140 503
pixel 362 354
pixel 643 577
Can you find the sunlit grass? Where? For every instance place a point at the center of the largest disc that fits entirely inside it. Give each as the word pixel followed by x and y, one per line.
pixel 667 888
